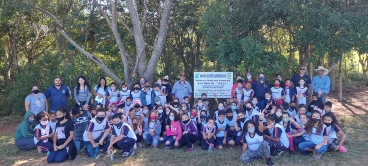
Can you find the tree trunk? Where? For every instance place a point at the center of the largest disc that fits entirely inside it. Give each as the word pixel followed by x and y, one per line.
pixel 339 93
pixel 332 73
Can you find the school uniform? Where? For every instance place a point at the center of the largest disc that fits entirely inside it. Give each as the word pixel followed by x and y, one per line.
pixel 128 140
pixel 162 97
pixel 289 130
pixel 139 137
pixel 52 125
pixel 238 134
pixel 324 112
pixel 277 93
pixel 220 135
pixel 290 93
pixel 254 115
pixel 238 94
pixel 156 127
pixel 114 97
pixel 140 95
pixel 332 130
pixel 278 132
pixel 259 92
pixel 46 144
pixel 97 130
pixel 257 147
pixel 302 92
pixel 104 92
pixel 315 139
pixel 291 113
pixel 124 95
pixel 248 94
pixel 205 143
pixel 314 106
pixel 230 123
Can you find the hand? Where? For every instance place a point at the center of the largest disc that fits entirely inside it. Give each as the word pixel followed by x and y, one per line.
pixel 214 93
pixel 289 136
pixel 222 128
pixel 261 115
pixel 167 126
pixel 99 95
pixel 95 145
pixel 55 148
pixel 61 147
pixel 224 141
pixel 176 143
pixel 139 128
pixel 272 111
pixel 317 147
pixel 185 132
pixel 100 142
pixel 174 137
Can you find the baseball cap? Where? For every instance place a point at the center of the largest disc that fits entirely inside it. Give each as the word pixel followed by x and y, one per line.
pixel 182 74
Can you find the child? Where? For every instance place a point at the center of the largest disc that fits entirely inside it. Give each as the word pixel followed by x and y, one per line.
pixel 290 92
pixel 152 130
pixel 173 131
pixel 230 121
pixel 208 135
pixel 161 92
pixel 253 143
pixel 221 132
pixel 292 108
pixel 234 107
pixel 122 137
pixel 138 130
pixel 241 120
pixel 255 102
pixel 315 105
pixel 277 136
pixel 190 133
pixel 278 114
pixel 128 104
pixel 115 94
pixel 63 143
pixel 97 133
pixel 138 94
pixel 239 91
pixel 193 116
pixel 269 101
pixel 318 137
pixel 248 93
pixel 219 108
pixel 302 92
pixel 286 108
pixel 80 120
pixel 23 135
pixel 278 92
pixel 93 111
pixel 52 121
pixel 124 93
pixel 289 125
pixel 302 110
pixel 303 123
pixel 43 133
pixel 184 109
pixel 327 108
pixel 186 100
pixel 332 125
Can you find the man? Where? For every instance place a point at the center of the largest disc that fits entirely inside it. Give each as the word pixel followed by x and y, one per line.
pixel 238 77
pixel 182 88
pixel 321 83
pixel 296 77
pixel 58 95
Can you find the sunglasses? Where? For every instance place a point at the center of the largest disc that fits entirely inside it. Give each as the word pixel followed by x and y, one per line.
pixel 302 69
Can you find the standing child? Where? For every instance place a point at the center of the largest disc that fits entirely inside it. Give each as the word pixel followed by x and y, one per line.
pixel 194 116
pixel 289 91
pixel 278 92
pixel 43 133
pixel 332 125
pixel 122 137
pixel 190 133
pixel 248 93
pixel 115 94
pixel 124 93
pixel 239 91
pixel 302 92
pixel 173 131
pixel 208 135
pixel 152 130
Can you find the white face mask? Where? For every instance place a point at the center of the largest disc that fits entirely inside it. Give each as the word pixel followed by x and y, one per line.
pixel 44 122
pixel 160 111
pixel 158 103
pixel 113 88
pixel 301 83
pixel 278 114
pixel 124 89
pixel 249 77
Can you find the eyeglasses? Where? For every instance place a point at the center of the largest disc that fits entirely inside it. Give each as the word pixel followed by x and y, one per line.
pixel 302 69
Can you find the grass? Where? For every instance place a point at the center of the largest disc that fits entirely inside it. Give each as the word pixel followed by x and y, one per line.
pixel 354 127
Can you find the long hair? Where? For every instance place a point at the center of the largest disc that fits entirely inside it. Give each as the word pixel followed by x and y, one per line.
pixel 99 84
pixel 311 124
pixel 332 116
pixel 86 85
pixel 176 117
pixel 245 127
pixel 63 110
pixel 40 115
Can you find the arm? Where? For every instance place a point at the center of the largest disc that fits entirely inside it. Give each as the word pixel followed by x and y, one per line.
pixel 174 91
pixel 70 138
pixel 88 95
pixel 236 126
pixel 26 105
pixel 116 139
pixel 284 94
pixel 107 132
pixel 214 95
pixel 180 132
pixel 245 147
pixel 190 91
pixel 296 125
pixel 342 138
pixel 90 138
pixel 211 134
pixel 297 134
pixel 46 105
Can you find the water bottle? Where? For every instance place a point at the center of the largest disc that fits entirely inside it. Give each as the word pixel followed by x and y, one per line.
pixel 135 146
pixel 111 157
pixel 48 153
pixel 67 152
pixel 210 148
pixel 97 149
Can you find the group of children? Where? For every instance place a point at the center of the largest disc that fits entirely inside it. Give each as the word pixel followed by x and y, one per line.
pixel 125 125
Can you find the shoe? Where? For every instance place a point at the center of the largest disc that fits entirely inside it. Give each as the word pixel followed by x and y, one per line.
pixel 292 152
pixel 188 150
pixel 148 146
pixel 269 162
pixel 317 157
pixel 280 153
pixel 168 147
pixel 103 153
pixel 191 147
pixel 128 154
pixel 342 149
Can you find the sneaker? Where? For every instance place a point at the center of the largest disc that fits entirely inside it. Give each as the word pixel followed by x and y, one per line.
pixel 188 150
pixel 148 146
pixel 316 157
pixel 269 162
pixel 128 154
pixel 168 147
pixel 280 153
pixel 103 153
pixel 191 147
pixel 342 149
pixel 292 152
pixel 210 148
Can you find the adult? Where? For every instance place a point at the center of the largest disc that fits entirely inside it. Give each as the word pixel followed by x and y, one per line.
pixel 238 77
pixel 82 92
pixel 296 77
pixel 182 88
pixel 260 88
pixel 166 83
pixel 249 79
pixel 278 77
pixel 321 83
pixel 101 91
pixel 58 95
pixel 35 102
pixel 23 135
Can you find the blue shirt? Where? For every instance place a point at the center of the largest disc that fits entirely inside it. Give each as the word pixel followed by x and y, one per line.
pixel 296 77
pixel 36 104
pixel 322 83
pixel 58 97
pixel 181 90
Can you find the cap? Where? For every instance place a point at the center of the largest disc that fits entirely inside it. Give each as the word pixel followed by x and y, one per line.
pixel 182 74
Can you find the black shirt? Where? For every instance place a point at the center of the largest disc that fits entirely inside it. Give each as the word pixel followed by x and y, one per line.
pixel 62 131
pixel 169 90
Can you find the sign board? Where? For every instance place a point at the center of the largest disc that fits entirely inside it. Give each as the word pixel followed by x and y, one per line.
pixel 210 82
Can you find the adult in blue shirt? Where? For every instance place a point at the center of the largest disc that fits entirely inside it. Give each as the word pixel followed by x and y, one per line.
pixel 296 77
pixel 36 102
pixel 321 83
pixel 182 88
pixel 58 95
pixel 260 87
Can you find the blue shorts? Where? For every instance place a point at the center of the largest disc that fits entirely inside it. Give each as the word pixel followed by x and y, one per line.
pixel 220 139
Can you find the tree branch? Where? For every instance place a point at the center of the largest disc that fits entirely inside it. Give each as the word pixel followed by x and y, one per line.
pixel 120 17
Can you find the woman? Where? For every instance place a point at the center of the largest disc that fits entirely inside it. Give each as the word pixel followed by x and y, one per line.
pixel 82 92
pixel 260 88
pixel 101 91
pixel 36 102
pixel 168 86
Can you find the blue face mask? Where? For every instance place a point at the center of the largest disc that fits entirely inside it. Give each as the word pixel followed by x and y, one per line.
pixel 171 117
pixel 233 107
pixel 128 103
pixel 262 79
pixel 251 130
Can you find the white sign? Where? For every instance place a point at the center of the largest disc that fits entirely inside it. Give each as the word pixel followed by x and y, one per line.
pixel 213 82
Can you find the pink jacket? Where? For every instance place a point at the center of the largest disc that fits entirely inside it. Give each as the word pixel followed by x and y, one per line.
pixel 175 130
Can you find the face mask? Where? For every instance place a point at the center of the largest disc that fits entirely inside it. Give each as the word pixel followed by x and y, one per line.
pixel 166 80
pixel 136 88
pixel 145 111
pixel 292 108
pixel 203 116
pixel 171 118
pixel 153 117
pixel 158 102
pixel 200 104
pixel 118 125
pixel 254 102
pixel 328 124
pixel 240 87
pixel 279 78
pixel 278 114
pixel 60 119
pixel 242 119
pixel 287 84
pixel 220 120
pixel 262 79
pixel 31 120
pixel 44 122
pixel 194 113
pixel 159 82
pixel 100 118
pixel 233 107
pixel 176 103
pixel 185 101
pixel 124 89
pixel 204 99
pixel 230 117
pixel 277 85
pixel 220 108
pixel 114 109
pixel 301 83
pixel 160 111
pixel 128 103
pixel 186 121
pixel 285 119
pixel 251 130
pixel 248 109
pixel 167 113
pixel 141 82
pixel 184 108
pixel 315 120
pixel 113 88
pixel 267 98
pixel 135 125
pixel 35 91
pixel 136 106
pixel 249 77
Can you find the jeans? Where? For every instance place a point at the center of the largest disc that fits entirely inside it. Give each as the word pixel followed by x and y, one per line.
pixel 25 143
pixel 45 146
pixel 168 138
pixel 91 150
pixel 57 156
pixel 151 140
pixel 125 144
pixel 311 145
pixel 78 144
pixel 275 147
pixel 205 143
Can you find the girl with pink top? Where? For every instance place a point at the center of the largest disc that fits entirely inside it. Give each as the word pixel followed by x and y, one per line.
pixel 173 131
